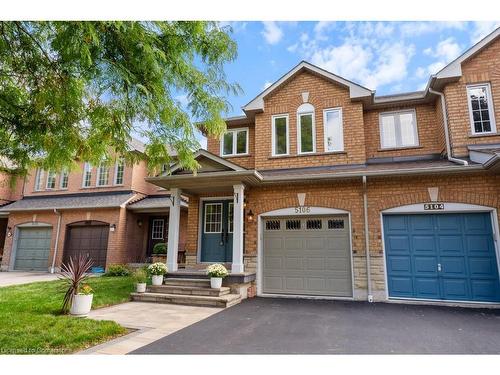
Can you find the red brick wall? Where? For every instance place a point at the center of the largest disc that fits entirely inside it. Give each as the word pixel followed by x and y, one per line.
pixel 481 68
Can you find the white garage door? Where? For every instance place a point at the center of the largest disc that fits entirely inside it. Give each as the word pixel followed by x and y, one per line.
pixel 307 256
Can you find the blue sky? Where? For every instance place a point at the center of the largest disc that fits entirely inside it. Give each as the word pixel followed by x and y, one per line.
pixel 390 57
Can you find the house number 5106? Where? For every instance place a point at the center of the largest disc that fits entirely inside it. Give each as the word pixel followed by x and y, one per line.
pixel 302 210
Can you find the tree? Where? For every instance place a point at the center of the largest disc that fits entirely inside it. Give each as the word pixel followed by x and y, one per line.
pixel 79 90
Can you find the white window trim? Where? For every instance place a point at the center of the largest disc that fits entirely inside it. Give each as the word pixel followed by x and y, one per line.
pixel 490 108
pixel 397 128
pixel 234 153
pixel 325 142
pixel 162 229
pixel 273 136
pixel 87 168
pixel 49 173
pixel 61 178
pixel 205 217
pixel 97 177
pixel 117 163
pixel 38 179
pixel 299 131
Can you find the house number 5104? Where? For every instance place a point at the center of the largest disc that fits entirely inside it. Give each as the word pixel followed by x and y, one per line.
pixel 302 210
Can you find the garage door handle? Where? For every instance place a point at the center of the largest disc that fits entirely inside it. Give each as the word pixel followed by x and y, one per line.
pixel 439 267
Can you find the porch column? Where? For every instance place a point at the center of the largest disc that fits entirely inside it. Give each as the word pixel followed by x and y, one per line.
pixel 237 265
pixel 174 218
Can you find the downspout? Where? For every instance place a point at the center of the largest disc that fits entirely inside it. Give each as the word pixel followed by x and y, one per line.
pixel 53 268
pixel 446 131
pixel 367 242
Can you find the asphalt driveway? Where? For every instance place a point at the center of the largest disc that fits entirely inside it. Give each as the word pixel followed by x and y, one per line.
pixel 289 326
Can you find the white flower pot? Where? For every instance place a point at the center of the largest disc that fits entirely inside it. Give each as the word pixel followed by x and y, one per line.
pixel 140 287
pixel 157 279
pixel 215 282
pixel 81 304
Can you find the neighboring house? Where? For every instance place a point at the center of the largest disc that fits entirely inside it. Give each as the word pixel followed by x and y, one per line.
pixel 320 172
pixel 107 211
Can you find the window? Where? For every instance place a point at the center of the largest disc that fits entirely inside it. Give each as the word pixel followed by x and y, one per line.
pixel 87 175
pixel 39 179
pixel 336 224
pixel 157 229
pixel 230 217
pixel 306 137
pixel 481 114
pixel 235 142
pixel 314 224
pixel 280 143
pixel 51 180
pixel 103 174
pixel 398 129
pixel 273 225
pixel 119 169
pixel 293 224
pixel 334 132
pixel 213 217
pixel 63 183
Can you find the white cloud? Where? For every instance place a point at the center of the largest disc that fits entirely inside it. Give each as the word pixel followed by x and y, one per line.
pixel 483 28
pixel 266 85
pixel 424 27
pixel 182 99
pixel 272 32
pixel 203 142
pixel 448 49
pixel 420 72
pixel 321 28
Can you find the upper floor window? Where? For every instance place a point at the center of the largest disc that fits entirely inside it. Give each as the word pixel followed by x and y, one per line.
pixel 39 179
pixel 306 139
pixel 481 114
pixel 398 129
pixel 51 180
pixel 87 175
pixel 102 174
pixel 119 169
pixel 235 142
pixel 280 141
pixel 334 133
pixel 63 182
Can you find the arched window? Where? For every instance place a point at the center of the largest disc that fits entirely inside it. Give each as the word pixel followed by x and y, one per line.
pixel 306 130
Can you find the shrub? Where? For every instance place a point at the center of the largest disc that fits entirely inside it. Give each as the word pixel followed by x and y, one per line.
pixel 158 269
pixel 140 276
pixel 117 270
pixel 160 248
pixel 217 270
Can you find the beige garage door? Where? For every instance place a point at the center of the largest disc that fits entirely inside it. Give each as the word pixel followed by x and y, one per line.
pixel 307 256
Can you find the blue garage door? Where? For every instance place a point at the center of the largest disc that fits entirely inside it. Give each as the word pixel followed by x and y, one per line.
pixel 441 256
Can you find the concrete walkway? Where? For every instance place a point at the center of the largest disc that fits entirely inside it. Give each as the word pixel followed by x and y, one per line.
pixel 151 321
pixel 21 277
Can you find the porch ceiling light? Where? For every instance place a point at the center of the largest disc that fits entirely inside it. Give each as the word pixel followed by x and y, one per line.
pixel 250 216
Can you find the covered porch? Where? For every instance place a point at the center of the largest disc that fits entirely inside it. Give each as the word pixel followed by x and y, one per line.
pixel 216 215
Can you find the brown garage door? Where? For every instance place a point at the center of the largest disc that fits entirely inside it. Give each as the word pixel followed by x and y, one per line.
pixel 88 238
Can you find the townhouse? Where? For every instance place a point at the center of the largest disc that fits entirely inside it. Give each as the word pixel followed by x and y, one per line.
pixel 107 211
pixel 323 189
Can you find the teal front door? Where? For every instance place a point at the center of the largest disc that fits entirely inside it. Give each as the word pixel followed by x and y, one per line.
pixel 217 231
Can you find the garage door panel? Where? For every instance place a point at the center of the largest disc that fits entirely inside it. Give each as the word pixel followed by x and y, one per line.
pixel 426 287
pixel 88 240
pixel 314 259
pixel 396 223
pixel 425 266
pixel 461 266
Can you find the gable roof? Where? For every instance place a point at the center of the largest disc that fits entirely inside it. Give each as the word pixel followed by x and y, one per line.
pixel 355 90
pixel 454 69
pixel 208 159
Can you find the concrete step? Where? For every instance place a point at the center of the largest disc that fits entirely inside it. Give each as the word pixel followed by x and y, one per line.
pixel 181 299
pixel 188 290
pixel 195 283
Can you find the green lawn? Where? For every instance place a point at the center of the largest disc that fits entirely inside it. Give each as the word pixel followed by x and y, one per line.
pixel 31 323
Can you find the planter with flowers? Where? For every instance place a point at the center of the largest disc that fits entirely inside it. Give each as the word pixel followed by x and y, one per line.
pixel 82 301
pixel 140 277
pixel 216 272
pixel 78 296
pixel 157 270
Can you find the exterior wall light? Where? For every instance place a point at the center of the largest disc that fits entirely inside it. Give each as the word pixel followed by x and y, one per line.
pixel 139 223
pixel 250 216
pixel 112 227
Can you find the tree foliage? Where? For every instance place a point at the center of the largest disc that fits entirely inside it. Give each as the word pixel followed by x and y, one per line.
pixel 79 90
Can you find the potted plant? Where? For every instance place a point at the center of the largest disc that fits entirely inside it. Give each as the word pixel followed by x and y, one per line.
pixel 157 270
pixel 140 277
pixel 78 296
pixel 216 272
pixel 160 252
